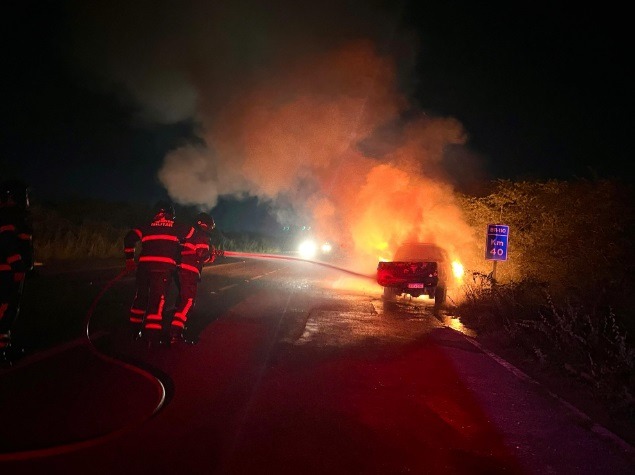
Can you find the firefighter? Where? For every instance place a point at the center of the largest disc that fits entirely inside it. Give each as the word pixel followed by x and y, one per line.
pixel 195 252
pixel 161 241
pixel 16 254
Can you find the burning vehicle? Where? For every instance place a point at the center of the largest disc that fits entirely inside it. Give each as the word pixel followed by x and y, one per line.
pixel 418 269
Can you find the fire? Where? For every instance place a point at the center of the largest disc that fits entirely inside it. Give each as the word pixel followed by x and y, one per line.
pixel 457 270
pixel 306 140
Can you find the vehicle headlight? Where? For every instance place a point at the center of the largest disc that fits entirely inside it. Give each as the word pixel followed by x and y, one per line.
pixel 307 249
pixel 326 248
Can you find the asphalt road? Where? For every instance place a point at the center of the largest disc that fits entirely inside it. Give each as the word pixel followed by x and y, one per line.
pixel 298 369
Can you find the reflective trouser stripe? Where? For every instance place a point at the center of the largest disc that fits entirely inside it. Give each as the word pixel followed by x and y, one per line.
pixel 153 321
pixel 14 258
pixel 136 315
pixel 178 323
pixel 190 268
pixel 182 315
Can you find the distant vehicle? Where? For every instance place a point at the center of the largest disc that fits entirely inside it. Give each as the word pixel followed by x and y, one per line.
pixel 308 244
pixel 311 248
pixel 417 269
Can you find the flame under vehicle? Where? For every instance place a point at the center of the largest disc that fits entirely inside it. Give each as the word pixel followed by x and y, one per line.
pixel 417 269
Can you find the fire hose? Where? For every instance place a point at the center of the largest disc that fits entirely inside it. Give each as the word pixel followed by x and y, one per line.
pixel 92 442
pixel 256 255
pixel 155 380
pixel 65 448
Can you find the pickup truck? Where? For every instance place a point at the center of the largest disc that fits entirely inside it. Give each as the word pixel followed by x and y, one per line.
pixel 417 269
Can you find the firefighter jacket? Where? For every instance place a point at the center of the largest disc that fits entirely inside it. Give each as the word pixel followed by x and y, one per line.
pixel 195 252
pixel 16 248
pixel 160 239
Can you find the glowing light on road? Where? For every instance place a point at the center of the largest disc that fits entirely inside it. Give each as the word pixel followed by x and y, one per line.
pixel 307 249
pixel 457 269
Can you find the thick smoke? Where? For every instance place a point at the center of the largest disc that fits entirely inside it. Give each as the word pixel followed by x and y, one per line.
pixel 302 107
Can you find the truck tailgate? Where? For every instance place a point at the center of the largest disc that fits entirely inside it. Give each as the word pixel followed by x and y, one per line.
pixel 400 274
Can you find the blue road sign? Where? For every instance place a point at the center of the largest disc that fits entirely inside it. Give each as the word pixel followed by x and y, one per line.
pixel 496 244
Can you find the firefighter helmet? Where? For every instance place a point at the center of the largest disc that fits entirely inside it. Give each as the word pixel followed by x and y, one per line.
pixel 14 193
pixel 205 222
pixel 165 208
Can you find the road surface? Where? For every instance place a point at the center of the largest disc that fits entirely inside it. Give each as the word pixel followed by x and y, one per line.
pixel 298 369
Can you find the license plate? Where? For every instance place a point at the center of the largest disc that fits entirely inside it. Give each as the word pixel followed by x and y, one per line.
pixel 415 286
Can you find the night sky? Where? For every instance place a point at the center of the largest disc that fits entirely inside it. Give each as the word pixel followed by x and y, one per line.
pixel 541 92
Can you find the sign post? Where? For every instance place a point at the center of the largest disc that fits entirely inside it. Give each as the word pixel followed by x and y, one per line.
pixel 496 244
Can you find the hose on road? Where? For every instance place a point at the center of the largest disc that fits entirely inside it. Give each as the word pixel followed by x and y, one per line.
pixel 257 255
pixel 92 442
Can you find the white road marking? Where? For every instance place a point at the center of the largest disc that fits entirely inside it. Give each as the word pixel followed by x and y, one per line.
pixel 223 289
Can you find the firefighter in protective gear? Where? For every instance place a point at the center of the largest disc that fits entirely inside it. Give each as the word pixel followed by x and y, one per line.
pixel 16 253
pixel 161 241
pixel 195 252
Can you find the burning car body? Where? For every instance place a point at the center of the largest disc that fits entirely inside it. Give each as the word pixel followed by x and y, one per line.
pixel 418 269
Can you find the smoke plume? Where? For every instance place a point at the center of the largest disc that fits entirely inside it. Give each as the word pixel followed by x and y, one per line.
pixel 303 107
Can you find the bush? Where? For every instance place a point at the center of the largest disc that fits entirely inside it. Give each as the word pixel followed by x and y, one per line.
pixel 59 238
pixel 578 337
pixel 564 296
pixel 575 236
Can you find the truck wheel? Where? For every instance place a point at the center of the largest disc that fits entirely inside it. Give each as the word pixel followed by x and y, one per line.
pixel 389 293
pixel 439 297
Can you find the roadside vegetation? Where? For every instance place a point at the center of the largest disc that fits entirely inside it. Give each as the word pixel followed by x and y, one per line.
pixel 77 230
pixel 563 301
